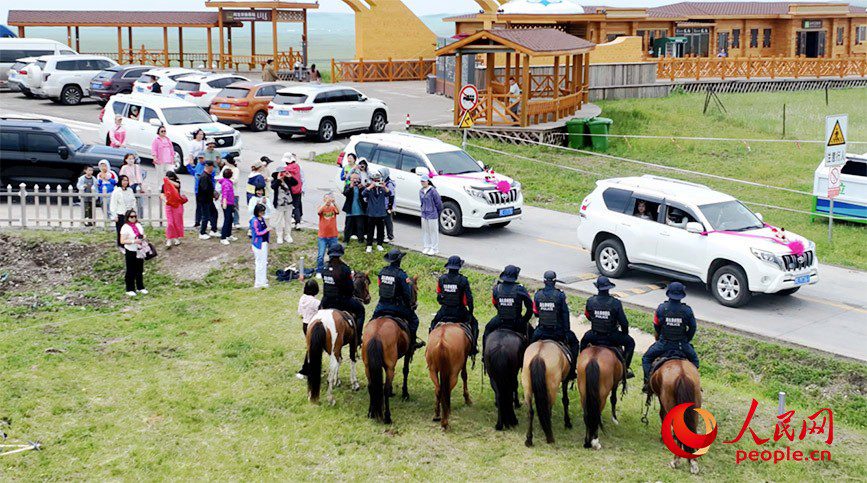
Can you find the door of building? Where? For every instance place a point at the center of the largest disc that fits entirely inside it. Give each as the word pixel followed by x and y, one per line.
pixel 722 43
pixel 697 41
pixel 811 43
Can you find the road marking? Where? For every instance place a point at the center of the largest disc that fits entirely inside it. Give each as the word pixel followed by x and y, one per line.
pixel 838 305
pixel 561 245
pixel 640 290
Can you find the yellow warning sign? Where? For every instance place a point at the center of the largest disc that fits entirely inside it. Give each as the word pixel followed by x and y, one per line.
pixel 466 120
pixel 837 138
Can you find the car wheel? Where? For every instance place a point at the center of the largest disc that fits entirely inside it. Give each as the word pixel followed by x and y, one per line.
pixel 260 122
pixel 178 160
pixel 501 225
pixel 788 291
pixel 71 95
pixel 451 219
pixel 284 136
pixel 378 122
pixel 327 129
pixel 730 287
pixel 28 94
pixel 611 258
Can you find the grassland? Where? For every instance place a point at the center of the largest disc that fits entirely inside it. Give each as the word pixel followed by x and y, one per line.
pixel 196 381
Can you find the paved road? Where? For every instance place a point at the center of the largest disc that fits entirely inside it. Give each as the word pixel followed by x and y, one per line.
pixel 830 316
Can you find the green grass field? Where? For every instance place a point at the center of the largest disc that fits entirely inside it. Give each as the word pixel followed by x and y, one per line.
pixel 196 381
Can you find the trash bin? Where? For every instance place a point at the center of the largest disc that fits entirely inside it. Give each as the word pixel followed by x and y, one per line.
pixel 431 84
pixel 599 125
pixel 577 132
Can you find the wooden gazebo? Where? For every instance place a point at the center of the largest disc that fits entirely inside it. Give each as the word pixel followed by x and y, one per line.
pixel 549 94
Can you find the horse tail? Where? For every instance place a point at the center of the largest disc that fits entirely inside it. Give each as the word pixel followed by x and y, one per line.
pixel 444 374
pixel 375 386
pixel 592 409
pixel 539 383
pixel 314 355
pixel 684 392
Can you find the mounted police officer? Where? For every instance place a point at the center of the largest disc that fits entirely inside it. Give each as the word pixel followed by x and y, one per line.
pixel 395 295
pixel 608 324
pixel 508 297
pixel 338 289
pixel 675 326
pixel 456 299
pixel 549 305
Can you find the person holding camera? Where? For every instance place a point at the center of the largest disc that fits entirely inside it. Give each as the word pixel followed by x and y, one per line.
pixel 355 208
pixel 281 184
pixel 389 216
pixel 293 169
pixel 376 195
pixel 205 197
pixel 327 236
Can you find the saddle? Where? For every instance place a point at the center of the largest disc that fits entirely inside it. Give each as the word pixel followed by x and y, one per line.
pixel 563 347
pixel 403 324
pixel 659 361
pixel 349 318
pixel 618 352
pixel 463 325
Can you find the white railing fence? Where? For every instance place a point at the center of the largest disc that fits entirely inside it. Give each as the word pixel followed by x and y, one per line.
pixel 59 207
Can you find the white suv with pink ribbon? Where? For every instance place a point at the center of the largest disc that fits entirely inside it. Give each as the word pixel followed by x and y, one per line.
pixel 689 232
pixel 473 196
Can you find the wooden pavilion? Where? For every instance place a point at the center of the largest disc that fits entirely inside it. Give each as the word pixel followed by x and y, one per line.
pixel 544 97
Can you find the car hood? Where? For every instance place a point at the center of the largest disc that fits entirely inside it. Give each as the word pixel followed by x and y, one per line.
pixel 767 239
pixel 97 152
pixel 481 179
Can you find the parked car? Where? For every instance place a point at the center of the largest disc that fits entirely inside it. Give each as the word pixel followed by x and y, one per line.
pixel 167 79
pixel 324 112
pixel 16 79
pixel 39 151
pixel 144 113
pixel 115 80
pixel 245 103
pixel 200 89
pixel 470 193
pixel 12 49
pixel 689 232
pixel 66 78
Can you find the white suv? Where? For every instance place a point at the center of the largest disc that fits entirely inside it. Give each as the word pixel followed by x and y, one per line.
pixel 66 78
pixel 690 232
pixel 201 89
pixel 470 194
pixel 324 111
pixel 167 79
pixel 144 113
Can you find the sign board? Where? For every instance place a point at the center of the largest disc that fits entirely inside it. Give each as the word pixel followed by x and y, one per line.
pixel 812 24
pixel 833 182
pixel 466 120
pixel 468 97
pixel 835 140
pixel 262 16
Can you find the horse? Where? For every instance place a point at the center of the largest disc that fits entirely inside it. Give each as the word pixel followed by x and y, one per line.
pixel 447 350
pixel 599 370
pixel 361 286
pixel 676 382
pixel 383 343
pixel 504 353
pixel 545 368
pixel 328 332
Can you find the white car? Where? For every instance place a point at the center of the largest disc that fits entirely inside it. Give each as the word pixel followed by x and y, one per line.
pixel 14 48
pixel 201 89
pixel 143 114
pixel 689 232
pixel 65 78
pixel 472 196
pixel 324 111
pixel 167 79
pixel 16 79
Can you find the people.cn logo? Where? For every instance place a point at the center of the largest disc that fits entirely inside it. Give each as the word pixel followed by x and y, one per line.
pixel 675 430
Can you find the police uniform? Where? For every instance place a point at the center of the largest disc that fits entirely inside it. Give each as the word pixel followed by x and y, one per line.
pixel 675 326
pixel 455 298
pixel 549 305
pixel 395 294
pixel 338 289
pixel 509 297
pixel 608 324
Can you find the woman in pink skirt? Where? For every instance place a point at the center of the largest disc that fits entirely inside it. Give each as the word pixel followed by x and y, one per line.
pixel 162 152
pixel 117 134
pixel 174 201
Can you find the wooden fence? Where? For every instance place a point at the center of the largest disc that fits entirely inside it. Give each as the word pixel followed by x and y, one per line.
pixel 193 60
pixel 381 70
pixel 754 67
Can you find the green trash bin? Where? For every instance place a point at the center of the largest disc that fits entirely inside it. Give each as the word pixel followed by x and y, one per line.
pixel 599 125
pixel 577 130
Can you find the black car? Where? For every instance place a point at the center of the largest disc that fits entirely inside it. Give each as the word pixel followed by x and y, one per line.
pixel 39 151
pixel 115 80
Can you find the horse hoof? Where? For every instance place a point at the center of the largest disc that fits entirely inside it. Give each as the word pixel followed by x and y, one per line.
pixel 693 467
pixel 615 421
pixel 468 401
pixel 437 419
pixel 404 397
pixel 587 445
pixel 549 440
pixel 595 444
pixel 356 386
pixel 568 425
pixel 528 443
pixel 673 464
pixel 498 427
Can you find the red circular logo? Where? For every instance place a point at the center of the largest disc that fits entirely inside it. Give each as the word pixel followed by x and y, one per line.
pixel 674 426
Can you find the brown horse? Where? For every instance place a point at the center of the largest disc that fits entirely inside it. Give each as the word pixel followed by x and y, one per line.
pixel 329 331
pixel 545 368
pixel 447 349
pixel 361 286
pixel 383 343
pixel 677 382
pixel 599 371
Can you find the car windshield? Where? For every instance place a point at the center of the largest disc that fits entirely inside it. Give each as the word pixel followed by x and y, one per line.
pixel 234 93
pixel 289 98
pixel 106 74
pixel 454 162
pixel 186 115
pixel 70 138
pixel 40 64
pixel 730 216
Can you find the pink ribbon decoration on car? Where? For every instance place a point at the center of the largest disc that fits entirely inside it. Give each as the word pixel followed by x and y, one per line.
pixel 502 185
pixel 796 246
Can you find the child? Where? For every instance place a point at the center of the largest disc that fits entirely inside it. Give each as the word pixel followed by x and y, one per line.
pixel 261 235
pixel 86 184
pixel 106 180
pixel 327 230
pixel 260 198
pixel 308 306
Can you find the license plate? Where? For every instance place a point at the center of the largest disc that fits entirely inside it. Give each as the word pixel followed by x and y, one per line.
pixel 506 211
pixel 283 113
pixel 801 280
pixel 95 85
pixel 224 106
pixel 139 89
pixel 181 95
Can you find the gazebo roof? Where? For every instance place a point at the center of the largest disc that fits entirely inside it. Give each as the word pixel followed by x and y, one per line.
pixel 533 42
pixel 108 18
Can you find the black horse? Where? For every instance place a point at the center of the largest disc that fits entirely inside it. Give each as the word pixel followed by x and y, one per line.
pixel 503 358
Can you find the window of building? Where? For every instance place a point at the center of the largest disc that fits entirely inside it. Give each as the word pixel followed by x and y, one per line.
pixel 736 38
pixel 754 38
pixel 841 34
pixel 861 34
pixel 766 38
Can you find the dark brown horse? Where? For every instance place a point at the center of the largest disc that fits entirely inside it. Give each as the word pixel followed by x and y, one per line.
pixel 503 357
pixel 361 286
pixel 383 343
pixel 329 331
pixel 447 349
pixel 545 369
pixel 677 382
pixel 599 370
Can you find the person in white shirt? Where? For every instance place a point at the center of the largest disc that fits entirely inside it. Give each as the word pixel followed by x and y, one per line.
pixel 515 95
pixel 132 236
pixel 122 200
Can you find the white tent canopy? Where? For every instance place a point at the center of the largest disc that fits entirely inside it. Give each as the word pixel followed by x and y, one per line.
pixel 541 7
